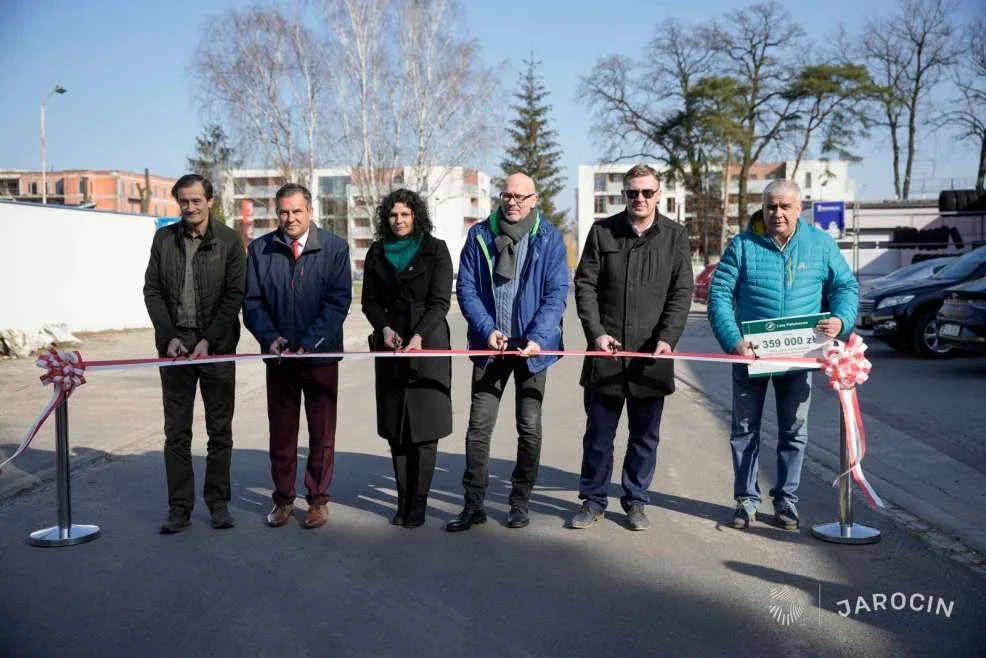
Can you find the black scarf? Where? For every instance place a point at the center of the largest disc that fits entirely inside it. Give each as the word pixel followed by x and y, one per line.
pixel 506 243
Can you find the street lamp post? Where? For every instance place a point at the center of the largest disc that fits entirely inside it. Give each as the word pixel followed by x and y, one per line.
pixel 44 164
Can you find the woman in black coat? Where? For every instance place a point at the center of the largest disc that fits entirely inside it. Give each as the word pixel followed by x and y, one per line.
pixel 407 288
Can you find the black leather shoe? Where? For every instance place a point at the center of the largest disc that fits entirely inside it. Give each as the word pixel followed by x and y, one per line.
pixel 518 518
pixel 220 518
pixel 176 522
pixel 467 518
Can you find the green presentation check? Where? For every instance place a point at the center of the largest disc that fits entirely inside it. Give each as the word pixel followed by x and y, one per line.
pixel 793 335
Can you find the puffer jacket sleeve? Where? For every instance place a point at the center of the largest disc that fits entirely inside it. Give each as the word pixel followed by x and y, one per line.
pixel 841 290
pixel 722 292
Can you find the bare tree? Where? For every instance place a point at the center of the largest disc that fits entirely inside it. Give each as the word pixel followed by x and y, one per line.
pixel 907 55
pixel 365 100
pixel 450 100
pixel 261 71
pixel 759 44
pixel 649 109
pixel 968 111
pixel 421 99
pixel 633 100
pixel 370 84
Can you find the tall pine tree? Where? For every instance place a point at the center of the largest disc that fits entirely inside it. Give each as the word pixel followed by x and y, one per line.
pixel 213 158
pixel 534 150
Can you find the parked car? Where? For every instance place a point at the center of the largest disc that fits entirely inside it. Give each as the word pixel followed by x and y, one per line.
pixel 904 315
pixel 920 270
pixel 962 318
pixel 702 282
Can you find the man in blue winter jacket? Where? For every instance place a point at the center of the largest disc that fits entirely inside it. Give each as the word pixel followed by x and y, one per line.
pixel 298 291
pixel 787 271
pixel 512 288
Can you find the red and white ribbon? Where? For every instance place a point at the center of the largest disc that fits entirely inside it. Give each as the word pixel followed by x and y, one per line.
pixel 65 371
pixel 846 366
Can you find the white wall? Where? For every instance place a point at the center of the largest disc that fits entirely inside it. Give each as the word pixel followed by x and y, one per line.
pixel 81 268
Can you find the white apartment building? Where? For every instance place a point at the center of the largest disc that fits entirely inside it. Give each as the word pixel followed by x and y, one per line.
pixel 600 194
pixel 600 189
pixel 459 197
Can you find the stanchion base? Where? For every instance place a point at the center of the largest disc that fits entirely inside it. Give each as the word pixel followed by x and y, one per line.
pixel 54 536
pixel 845 534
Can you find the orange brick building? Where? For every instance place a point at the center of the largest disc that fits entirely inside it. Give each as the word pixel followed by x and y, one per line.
pixel 119 191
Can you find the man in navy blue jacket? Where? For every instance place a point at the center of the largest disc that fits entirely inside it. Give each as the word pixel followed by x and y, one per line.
pixel 512 285
pixel 298 291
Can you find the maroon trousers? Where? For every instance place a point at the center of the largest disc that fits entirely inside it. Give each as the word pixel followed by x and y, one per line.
pixel 286 381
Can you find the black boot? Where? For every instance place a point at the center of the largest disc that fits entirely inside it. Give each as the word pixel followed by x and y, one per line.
pixel 416 509
pixel 401 510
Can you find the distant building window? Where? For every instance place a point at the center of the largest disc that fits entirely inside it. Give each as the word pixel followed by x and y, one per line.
pixel 34 189
pixel 670 205
pixel 362 243
pixel 615 178
pixel 807 179
pixel 753 177
pixel 600 204
pixel 333 185
pixel 599 182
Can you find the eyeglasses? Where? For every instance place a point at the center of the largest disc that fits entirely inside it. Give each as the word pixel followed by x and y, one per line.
pixel 648 194
pixel 507 197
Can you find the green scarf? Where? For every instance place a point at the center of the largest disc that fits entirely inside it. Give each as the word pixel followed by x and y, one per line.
pixel 400 252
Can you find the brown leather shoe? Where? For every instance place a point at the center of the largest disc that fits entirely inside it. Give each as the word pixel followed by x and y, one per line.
pixel 316 516
pixel 279 515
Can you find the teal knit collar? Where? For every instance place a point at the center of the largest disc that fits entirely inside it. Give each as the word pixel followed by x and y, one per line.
pixel 400 252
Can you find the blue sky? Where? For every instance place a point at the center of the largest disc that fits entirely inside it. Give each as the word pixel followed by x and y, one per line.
pixel 126 66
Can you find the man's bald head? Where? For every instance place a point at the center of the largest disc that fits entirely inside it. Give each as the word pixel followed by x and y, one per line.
pixel 518 197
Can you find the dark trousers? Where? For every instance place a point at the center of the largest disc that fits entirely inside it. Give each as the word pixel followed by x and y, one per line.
pixel 487 388
pixel 217 381
pixel 414 466
pixel 286 381
pixel 602 418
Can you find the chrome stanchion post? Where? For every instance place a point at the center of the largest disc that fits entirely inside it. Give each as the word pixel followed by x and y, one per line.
pixel 844 531
pixel 64 534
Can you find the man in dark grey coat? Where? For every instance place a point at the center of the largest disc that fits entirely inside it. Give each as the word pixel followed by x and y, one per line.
pixel 193 289
pixel 633 290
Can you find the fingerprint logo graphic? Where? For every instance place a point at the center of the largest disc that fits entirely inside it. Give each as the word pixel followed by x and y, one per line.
pixel 786 605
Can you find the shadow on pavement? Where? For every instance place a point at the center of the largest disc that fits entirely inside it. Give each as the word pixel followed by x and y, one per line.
pixel 362 587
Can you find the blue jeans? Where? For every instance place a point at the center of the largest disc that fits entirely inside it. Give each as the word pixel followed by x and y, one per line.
pixel 792 393
pixel 602 418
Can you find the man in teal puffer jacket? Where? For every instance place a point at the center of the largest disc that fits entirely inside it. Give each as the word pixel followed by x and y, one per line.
pixel 787 271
